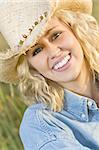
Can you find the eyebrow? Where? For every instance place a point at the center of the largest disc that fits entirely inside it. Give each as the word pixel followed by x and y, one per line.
pixel 47 32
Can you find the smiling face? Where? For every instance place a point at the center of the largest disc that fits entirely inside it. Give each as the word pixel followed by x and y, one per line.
pixel 57 55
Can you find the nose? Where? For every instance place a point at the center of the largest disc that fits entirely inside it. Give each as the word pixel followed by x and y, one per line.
pixel 52 49
pixel 54 52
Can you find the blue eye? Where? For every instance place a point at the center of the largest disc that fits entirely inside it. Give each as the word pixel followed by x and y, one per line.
pixel 56 35
pixel 37 50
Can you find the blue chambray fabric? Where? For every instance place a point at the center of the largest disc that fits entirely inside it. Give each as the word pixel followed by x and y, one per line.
pixel 76 127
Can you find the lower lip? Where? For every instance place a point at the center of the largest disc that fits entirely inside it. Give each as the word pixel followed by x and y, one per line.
pixel 65 67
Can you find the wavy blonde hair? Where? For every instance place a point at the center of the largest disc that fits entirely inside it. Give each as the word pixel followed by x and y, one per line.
pixel 36 88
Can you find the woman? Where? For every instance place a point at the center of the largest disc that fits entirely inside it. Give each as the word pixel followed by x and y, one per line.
pixel 59 77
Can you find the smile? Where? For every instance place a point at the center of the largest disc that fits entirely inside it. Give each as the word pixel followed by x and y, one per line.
pixel 63 63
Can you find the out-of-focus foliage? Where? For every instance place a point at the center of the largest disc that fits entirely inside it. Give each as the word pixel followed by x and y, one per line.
pixel 12 106
pixel 96 9
pixel 11 111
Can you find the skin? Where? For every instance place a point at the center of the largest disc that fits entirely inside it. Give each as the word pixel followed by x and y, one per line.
pixel 57 42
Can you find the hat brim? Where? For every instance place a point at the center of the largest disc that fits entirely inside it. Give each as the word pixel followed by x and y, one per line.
pixel 8 71
pixel 9 60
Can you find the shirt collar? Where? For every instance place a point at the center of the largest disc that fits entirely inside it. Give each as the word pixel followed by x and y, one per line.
pixel 78 105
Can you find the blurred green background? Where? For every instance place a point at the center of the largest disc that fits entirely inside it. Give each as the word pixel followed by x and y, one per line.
pixel 12 106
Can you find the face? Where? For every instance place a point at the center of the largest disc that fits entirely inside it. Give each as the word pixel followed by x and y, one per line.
pixel 57 55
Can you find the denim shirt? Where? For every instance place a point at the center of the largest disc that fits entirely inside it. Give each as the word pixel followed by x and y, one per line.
pixel 76 127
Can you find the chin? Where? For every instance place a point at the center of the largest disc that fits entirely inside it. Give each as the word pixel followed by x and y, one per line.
pixel 69 78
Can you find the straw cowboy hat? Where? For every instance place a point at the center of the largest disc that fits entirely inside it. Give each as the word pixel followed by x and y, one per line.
pixel 22 22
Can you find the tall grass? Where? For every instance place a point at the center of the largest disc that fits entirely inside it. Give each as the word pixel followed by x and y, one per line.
pixel 11 112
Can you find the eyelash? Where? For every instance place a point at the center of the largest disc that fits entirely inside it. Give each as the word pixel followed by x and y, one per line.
pixel 54 35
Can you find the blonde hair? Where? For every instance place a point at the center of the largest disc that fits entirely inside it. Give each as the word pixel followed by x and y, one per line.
pixel 36 88
pixel 86 30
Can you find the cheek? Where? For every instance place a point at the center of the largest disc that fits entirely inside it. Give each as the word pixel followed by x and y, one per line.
pixel 67 42
pixel 39 62
pixel 78 49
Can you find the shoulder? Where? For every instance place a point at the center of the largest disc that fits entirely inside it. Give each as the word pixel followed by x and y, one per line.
pixel 40 130
pixel 33 131
pixel 31 113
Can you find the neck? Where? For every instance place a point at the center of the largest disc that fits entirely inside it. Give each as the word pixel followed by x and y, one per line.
pixel 82 85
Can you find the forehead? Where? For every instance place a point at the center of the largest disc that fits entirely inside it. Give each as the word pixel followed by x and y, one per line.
pixel 54 21
pixel 52 24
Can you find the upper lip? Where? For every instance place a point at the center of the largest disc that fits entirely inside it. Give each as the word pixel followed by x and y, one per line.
pixel 59 59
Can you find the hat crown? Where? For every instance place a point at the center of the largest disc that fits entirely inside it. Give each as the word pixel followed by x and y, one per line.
pixel 17 18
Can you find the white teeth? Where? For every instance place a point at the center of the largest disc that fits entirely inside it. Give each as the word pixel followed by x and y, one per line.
pixel 56 67
pixel 62 63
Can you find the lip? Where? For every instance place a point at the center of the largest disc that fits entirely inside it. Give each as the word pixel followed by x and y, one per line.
pixel 59 60
pixel 66 66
